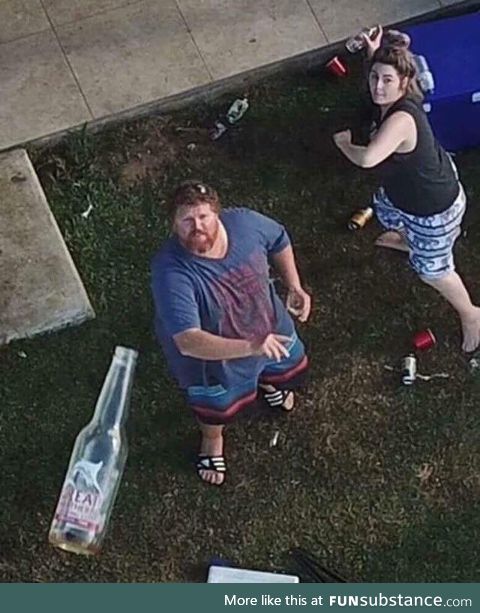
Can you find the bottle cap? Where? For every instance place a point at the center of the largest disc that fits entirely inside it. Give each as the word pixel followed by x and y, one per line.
pixel 125 354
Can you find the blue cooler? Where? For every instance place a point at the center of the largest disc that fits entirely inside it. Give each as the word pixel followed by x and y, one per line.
pixel 452 50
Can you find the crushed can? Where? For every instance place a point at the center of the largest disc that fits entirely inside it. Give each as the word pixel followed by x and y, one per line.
pixel 218 129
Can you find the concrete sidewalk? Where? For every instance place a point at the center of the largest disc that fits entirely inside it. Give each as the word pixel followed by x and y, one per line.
pixel 66 62
pixel 40 288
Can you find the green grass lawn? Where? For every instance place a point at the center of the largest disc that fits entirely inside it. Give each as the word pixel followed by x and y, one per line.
pixel 380 481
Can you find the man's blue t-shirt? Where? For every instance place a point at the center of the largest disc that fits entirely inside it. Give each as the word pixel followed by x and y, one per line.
pixel 232 297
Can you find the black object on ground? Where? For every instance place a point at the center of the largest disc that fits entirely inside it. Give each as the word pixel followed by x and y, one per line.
pixel 312 570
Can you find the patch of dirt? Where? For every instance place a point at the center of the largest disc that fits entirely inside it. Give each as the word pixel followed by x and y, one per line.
pixel 166 144
pixel 149 160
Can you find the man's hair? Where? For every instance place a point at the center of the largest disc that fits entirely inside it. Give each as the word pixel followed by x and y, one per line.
pixel 401 59
pixel 192 193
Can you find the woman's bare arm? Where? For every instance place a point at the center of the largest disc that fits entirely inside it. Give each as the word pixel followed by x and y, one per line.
pixel 395 131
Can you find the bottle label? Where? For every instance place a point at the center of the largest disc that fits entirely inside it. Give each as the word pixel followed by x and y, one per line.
pixel 81 499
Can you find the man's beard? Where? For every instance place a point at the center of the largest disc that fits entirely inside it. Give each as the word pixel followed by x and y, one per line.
pixel 202 242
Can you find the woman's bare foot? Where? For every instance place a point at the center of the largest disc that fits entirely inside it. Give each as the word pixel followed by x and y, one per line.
pixel 211 454
pixel 289 403
pixel 471 331
pixel 453 289
pixel 392 240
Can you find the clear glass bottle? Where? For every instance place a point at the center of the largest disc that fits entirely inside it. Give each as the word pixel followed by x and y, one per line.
pixel 392 38
pixel 96 464
pixel 219 128
pixel 237 110
pixel 357 43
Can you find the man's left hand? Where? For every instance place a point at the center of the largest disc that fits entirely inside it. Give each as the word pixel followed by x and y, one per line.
pixel 299 303
pixel 342 138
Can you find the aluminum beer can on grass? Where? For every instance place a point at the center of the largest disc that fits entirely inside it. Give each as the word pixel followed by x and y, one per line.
pixel 409 369
pixel 424 340
pixel 360 218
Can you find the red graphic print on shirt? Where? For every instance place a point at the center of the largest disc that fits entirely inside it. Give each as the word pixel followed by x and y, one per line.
pixel 245 300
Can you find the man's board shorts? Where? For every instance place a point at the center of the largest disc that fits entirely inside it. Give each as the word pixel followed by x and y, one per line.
pixel 217 405
pixel 430 239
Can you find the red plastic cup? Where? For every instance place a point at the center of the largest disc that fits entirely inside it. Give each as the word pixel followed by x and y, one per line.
pixel 424 340
pixel 336 67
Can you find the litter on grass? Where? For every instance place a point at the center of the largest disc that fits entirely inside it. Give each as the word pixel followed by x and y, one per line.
pixel 87 211
pixel 437 375
pixel 274 439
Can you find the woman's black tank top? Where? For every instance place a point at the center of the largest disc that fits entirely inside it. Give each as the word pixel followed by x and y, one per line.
pixel 421 182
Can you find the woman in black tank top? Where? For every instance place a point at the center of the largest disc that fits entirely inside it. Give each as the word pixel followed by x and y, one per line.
pixel 421 202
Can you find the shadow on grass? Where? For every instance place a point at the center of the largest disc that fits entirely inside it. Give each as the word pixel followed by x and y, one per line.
pixel 439 547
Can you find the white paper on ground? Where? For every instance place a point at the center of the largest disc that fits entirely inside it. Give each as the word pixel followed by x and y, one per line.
pixel 225 574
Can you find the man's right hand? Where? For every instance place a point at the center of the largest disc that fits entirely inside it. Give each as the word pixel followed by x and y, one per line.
pixel 273 346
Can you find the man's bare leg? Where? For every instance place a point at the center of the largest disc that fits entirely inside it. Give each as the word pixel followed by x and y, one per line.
pixel 451 287
pixel 392 239
pixel 211 445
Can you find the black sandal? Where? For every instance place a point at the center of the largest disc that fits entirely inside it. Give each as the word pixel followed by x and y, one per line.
pixel 208 462
pixel 278 398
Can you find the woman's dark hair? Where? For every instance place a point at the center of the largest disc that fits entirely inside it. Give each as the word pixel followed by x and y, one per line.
pixel 402 60
pixel 192 193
